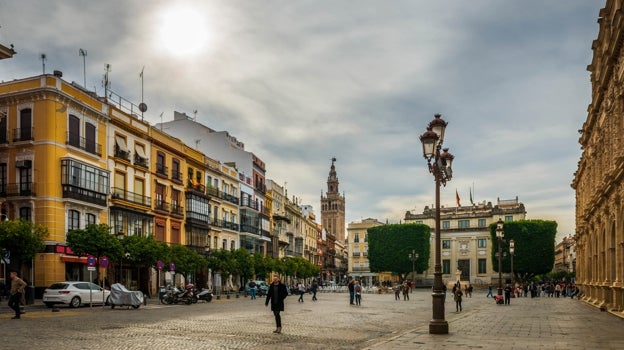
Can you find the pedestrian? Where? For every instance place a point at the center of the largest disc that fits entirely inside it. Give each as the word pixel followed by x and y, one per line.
pixel 276 295
pixel 458 299
pixel 358 292
pixel 397 292
pixel 313 289
pixel 301 289
pixel 351 287
pixel 405 290
pixel 489 294
pixel 508 294
pixel 469 294
pixel 17 291
pixel 252 289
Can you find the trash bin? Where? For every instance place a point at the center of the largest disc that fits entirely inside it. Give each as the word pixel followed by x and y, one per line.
pixel 30 295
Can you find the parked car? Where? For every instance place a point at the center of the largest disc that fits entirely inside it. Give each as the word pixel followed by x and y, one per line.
pixel 74 294
pixel 261 286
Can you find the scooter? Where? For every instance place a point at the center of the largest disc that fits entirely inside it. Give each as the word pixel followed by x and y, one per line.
pixel 204 295
pixel 174 295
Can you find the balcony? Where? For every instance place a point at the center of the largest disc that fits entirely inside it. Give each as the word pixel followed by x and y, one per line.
pixel 196 186
pixel 197 218
pixel 356 254
pixel 212 192
pixel 122 194
pixel 23 134
pixel 229 225
pixel 361 269
pixel 247 202
pixel 176 176
pixel 249 229
pixel 229 198
pixel 122 154
pixel 162 170
pixel 177 209
pixel 83 144
pixel 162 206
pixel 24 189
pixel 140 161
pixel 83 194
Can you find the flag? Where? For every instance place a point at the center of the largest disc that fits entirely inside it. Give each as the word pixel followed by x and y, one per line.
pixel 471 202
pixel 457 198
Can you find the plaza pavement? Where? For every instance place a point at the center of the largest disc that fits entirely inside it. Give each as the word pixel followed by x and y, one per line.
pixel 331 323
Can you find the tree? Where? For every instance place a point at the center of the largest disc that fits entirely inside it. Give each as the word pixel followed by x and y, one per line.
pixel 186 260
pixel 534 249
pixel 22 239
pixel 389 247
pixel 95 240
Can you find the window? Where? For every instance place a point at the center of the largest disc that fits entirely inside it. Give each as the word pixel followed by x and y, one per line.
pixel 74 131
pixel 446 266
pixel 84 182
pixel 3 126
pixel 90 219
pixel 463 223
pixel 175 170
pixel 90 138
pixel 233 246
pixel 160 164
pixel 482 223
pixel 508 218
pixel 73 220
pixel 482 266
pixel 25 179
pixel 482 243
pixel 3 178
pixel 224 246
pixel 25 132
pixel 446 244
pixel 25 213
pixel 356 239
pixel 446 225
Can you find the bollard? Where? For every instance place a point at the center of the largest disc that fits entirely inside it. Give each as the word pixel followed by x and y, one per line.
pixel 218 297
pixel 237 296
pixel 227 296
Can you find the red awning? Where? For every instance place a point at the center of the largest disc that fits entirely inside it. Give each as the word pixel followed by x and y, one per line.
pixel 74 259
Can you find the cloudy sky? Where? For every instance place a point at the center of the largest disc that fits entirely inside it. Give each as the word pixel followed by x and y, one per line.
pixel 300 82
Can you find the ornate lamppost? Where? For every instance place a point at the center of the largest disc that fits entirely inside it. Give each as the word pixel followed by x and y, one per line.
pixel 440 166
pixel 499 235
pixel 511 251
pixel 413 256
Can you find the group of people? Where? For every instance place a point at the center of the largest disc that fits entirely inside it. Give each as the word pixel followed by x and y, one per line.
pixel 404 288
pixel 355 292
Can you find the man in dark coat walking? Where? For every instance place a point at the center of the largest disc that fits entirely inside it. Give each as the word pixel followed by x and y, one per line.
pixel 276 295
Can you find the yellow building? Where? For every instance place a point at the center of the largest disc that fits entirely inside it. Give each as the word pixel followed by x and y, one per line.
pixel 357 247
pixel 53 168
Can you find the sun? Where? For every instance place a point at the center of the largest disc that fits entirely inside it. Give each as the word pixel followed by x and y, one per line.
pixel 182 30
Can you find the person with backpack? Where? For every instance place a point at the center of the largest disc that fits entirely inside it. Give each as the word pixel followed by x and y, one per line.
pixel 458 299
pixel 358 292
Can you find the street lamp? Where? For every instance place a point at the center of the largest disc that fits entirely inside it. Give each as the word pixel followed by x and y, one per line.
pixel 413 256
pixel 511 251
pixel 441 169
pixel 500 234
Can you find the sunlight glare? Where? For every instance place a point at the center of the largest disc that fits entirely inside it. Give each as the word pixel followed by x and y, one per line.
pixel 182 30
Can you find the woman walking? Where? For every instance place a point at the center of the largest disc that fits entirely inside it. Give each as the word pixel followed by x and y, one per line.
pixel 458 299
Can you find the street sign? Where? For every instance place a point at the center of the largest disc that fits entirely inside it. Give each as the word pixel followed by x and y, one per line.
pixel 171 266
pixel 104 262
pixel 7 254
pixel 90 261
pixel 91 268
pixel 160 264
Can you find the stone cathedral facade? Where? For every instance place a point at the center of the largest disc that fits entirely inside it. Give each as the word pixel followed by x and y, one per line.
pixel 599 179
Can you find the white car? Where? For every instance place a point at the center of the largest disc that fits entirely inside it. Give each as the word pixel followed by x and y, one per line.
pixel 74 294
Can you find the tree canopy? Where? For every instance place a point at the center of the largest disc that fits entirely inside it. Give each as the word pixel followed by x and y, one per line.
pixel 534 248
pixel 23 239
pixel 389 247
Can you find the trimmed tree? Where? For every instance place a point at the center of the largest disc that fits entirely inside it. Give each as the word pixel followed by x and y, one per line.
pixel 534 249
pixel 23 240
pixel 389 247
pixel 95 240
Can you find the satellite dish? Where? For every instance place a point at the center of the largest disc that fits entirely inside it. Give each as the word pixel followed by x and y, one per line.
pixel 142 107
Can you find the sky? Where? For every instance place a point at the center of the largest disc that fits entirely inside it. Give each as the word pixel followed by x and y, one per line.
pixel 301 82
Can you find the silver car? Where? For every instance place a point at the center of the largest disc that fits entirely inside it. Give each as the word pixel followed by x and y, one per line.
pixel 74 294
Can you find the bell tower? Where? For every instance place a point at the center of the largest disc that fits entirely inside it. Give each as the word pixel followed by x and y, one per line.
pixel 333 206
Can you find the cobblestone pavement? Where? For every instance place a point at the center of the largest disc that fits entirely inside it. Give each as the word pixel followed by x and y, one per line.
pixel 330 323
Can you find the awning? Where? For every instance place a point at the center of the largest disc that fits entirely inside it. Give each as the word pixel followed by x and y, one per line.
pixel 140 151
pixel 74 259
pixel 121 143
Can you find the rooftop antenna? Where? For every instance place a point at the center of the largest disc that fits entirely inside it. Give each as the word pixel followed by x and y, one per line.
pixel 142 105
pixel 197 143
pixel 195 115
pixel 107 69
pixel 43 59
pixel 83 53
pixel 161 122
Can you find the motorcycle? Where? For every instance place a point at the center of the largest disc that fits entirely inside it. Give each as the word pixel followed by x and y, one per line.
pixel 174 295
pixel 204 295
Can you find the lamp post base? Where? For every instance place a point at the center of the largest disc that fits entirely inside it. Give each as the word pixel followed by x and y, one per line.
pixel 438 327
